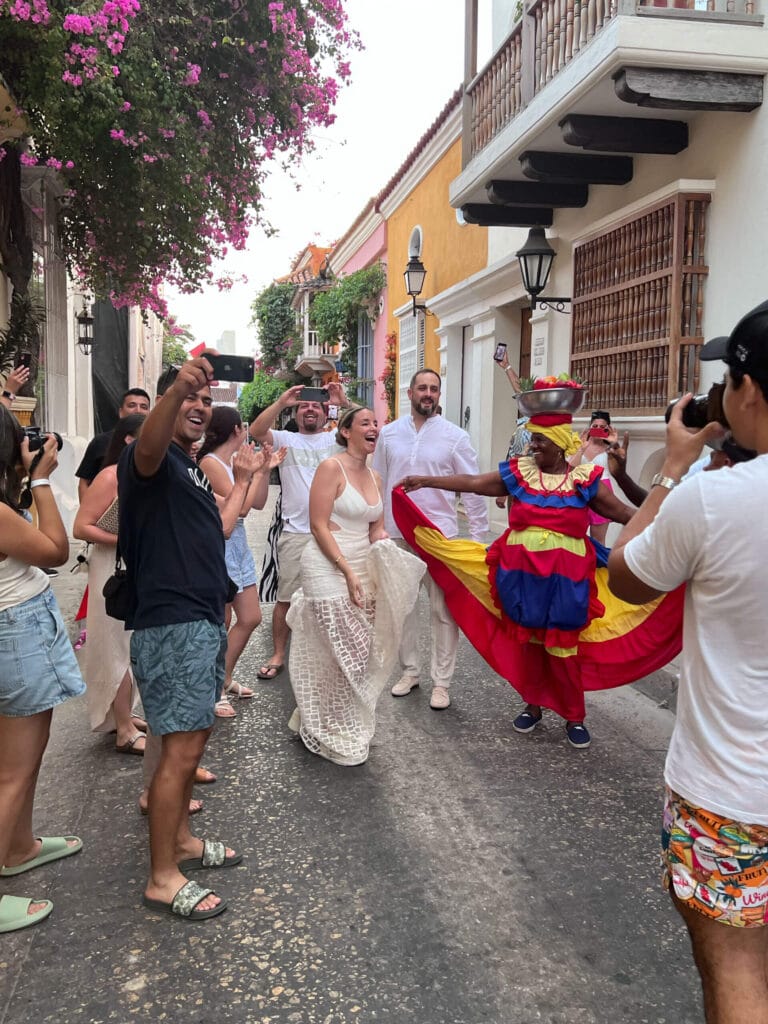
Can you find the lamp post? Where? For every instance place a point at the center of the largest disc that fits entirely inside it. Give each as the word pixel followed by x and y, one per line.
pixel 85 330
pixel 536 258
pixel 414 281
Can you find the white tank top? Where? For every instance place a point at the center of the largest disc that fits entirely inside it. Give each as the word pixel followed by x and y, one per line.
pixel 230 474
pixel 19 582
pixel 351 511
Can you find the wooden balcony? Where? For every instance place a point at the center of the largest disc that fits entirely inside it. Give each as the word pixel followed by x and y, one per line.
pixel 589 59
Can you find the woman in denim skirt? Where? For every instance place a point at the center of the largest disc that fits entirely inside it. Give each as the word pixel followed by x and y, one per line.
pixel 38 669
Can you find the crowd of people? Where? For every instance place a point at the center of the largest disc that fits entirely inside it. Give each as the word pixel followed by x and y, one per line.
pixel 364 514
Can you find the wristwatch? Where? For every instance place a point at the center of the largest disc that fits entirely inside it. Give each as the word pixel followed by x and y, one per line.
pixel 9 394
pixel 664 481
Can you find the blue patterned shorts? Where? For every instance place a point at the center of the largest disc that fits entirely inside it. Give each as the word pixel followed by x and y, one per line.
pixel 179 670
pixel 38 669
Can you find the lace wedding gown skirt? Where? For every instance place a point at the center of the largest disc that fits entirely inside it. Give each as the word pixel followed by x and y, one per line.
pixel 342 656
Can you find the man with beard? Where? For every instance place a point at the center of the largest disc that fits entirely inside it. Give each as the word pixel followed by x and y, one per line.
pixel 425 443
pixel 306 449
pixel 172 541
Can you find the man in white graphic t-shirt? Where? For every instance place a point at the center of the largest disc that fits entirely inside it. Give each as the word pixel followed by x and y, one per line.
pixel 710 533
pixel 306 449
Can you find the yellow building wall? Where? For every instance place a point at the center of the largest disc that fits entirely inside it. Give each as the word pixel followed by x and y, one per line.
pixel 450 252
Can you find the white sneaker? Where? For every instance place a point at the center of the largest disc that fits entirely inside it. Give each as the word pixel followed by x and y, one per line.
pixel 440 699
pixel 404 685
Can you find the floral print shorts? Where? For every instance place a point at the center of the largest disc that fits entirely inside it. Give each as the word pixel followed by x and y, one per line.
pixel 715 865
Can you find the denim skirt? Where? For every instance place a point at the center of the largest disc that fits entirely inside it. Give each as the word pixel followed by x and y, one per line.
pixel 38 669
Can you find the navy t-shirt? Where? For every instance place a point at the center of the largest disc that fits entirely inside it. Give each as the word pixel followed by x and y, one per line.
pixel 172 542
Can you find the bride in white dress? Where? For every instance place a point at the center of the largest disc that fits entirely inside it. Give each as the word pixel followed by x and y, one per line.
pixel 357 589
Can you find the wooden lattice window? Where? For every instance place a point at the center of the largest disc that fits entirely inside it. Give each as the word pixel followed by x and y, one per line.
pixel 638 301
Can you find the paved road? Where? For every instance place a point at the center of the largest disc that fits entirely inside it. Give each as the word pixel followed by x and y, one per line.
pixel 465 874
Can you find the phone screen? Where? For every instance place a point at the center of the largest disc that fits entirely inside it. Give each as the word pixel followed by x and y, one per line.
pixel 501 351
pixel 25 359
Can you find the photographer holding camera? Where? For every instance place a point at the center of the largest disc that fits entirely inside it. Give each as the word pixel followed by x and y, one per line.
pixel 37 665
pixel 707 533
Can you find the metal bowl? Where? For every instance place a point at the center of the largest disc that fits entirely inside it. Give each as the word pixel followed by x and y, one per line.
pixel 552 400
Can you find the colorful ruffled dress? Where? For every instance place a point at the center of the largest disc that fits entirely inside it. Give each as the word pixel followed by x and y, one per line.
pixel 536 604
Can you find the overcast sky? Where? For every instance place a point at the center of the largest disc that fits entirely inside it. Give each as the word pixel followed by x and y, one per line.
pixel 412 62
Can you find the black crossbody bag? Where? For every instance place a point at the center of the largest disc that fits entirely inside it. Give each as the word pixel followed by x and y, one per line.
pixel 118 591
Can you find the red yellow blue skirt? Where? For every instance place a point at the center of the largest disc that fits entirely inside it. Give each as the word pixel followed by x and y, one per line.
pixel 617 644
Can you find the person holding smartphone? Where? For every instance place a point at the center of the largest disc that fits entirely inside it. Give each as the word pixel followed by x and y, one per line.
pixel 306 449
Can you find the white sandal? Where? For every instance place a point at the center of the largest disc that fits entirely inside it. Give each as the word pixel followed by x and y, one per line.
pixel 238 690
pixel 224 709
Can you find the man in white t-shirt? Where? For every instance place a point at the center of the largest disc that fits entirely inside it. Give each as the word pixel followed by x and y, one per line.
pixel 306 449
pixel 711 534
pixel 425 443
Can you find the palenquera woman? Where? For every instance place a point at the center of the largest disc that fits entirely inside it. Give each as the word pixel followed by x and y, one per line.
pixel 535 604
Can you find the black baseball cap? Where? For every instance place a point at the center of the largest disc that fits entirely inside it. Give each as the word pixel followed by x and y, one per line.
pixel 746 347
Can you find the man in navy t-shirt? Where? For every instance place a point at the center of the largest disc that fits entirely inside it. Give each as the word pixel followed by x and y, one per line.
pixel 172 540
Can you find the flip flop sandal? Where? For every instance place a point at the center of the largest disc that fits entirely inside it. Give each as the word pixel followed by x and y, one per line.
pixel 270 671
pixel 129 748
pixel 52 848
pixel 214 856
pixel 14 916
pixel 185 901
pixel 223 709
pixel 240 691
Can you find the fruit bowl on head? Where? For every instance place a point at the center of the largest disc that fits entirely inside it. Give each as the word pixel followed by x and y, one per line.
pixel 551 400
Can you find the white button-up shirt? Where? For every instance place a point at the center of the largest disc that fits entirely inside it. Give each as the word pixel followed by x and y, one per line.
pixel 438 448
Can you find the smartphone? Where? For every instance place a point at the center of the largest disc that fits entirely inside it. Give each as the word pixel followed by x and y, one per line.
pixel 333 412
pixel 501 351
pixel 237 368
pixel 25 359
pixel 313 395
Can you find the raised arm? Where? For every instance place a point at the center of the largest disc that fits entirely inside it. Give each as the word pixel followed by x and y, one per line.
pixel 46 544
pixel 617 466
pixel 261 428
pixel 157 432
pixel 489 484
pixel 244 464
pixel 14 382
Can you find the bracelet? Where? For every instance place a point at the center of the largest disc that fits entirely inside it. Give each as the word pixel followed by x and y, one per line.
pixel 42 481
pixel 9 394
pixel 337 559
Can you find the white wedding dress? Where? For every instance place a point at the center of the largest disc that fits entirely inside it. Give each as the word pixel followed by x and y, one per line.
pixel 341 655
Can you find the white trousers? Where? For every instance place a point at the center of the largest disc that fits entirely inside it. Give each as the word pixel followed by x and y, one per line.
pixel 445 635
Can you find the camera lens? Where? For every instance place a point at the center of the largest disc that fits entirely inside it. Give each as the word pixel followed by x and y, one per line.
pixel 702 409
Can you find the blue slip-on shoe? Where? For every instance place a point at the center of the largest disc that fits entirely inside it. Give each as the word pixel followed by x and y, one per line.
pixel 526 722
pixel 578 735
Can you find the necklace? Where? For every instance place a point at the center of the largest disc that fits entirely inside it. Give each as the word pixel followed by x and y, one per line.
pixel 558 487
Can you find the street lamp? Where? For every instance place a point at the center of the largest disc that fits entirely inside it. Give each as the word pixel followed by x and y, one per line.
pixel 536 258
pixel 414 281
pixel 84 330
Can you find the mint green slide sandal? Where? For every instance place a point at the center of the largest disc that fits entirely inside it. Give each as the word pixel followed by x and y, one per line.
pixel 53 848
pixel 14 916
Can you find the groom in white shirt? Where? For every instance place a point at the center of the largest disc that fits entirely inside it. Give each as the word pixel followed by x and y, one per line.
pixel 425 443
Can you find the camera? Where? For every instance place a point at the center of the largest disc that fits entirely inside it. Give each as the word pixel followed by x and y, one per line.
pixel 37 437
pixel 702 409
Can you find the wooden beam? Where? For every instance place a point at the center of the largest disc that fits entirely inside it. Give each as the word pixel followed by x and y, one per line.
pixel 625 134
pixel 536 193
pixel 567 168
pixel 667 89
pixel 488 216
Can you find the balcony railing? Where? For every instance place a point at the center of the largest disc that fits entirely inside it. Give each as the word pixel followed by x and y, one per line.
pixel 314 350
pixel 547 38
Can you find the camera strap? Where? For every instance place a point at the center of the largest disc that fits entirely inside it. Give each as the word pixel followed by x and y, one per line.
pixel 25 498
